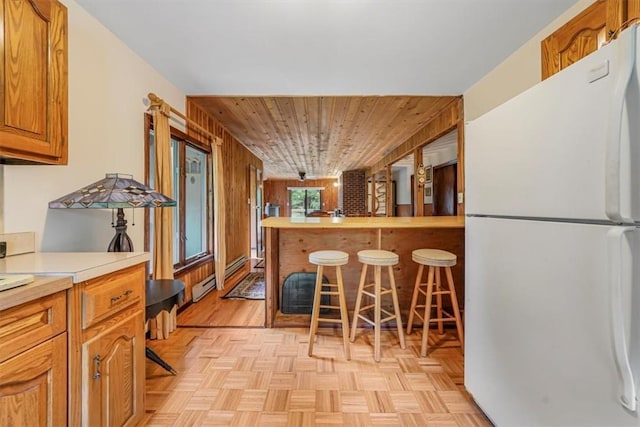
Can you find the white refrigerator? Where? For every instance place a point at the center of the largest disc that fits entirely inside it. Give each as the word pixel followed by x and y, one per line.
pixel 552 308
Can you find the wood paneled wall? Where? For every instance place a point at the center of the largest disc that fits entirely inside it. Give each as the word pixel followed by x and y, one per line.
pixel 237 160
pixel 276 192
pixel 427 209
pixel 404 210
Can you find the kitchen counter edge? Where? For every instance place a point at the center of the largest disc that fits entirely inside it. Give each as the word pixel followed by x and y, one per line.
pixel 80 266
pixel 40 287
pixel 365 222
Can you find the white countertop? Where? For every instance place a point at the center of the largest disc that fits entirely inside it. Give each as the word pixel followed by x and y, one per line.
pixel 80 266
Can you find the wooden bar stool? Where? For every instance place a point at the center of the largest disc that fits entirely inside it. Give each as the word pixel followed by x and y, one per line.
pixel 434 259
pixel 378 259
pixel 329 259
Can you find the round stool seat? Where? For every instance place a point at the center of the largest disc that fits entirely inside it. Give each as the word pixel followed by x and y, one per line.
pixel 434 257
pixel 378 257
pixel 328 258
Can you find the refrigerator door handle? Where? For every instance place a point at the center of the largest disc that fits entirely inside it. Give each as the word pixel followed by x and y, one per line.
pixel 626 61
pixel 616 239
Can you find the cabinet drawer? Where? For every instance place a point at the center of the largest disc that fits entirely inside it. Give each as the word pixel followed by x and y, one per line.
pixel 109 294
pixel 31 323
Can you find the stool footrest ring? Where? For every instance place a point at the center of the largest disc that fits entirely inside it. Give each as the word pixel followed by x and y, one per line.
pixel 444 319
pixel 329 320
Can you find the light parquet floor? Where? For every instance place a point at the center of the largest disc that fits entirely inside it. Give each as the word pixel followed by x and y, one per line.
pixel 263 377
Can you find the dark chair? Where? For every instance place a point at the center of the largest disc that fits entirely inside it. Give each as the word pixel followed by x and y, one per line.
pixel 161 295
pixel 318 213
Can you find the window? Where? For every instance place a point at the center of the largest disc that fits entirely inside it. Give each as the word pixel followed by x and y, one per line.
pixel 192 217
pixel 195 209
pixel 304 200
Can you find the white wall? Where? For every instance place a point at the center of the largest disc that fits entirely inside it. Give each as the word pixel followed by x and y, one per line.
pixel 402 177
pixel 441 156
pixel 107 84
pixel 517 73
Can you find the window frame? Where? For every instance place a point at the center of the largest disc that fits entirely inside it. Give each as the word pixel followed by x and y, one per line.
pixel 307 210
pixel 184 264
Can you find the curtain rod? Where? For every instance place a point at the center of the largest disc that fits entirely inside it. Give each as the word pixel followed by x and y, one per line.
pixel 156 102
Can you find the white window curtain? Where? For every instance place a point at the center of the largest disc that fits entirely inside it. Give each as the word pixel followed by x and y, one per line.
pixel 219 220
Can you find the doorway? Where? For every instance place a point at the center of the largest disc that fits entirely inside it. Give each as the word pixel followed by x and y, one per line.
pixel 444 189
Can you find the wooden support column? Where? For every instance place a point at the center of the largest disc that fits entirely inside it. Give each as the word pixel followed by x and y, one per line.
pixel 389 191
pixel 417 188
pixel 272 282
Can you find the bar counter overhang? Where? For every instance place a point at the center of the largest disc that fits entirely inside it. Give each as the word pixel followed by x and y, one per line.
pixel 290 240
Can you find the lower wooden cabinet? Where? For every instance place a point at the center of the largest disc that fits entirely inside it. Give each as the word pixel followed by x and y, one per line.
pixel 107 345
pixel 113 374
pixel 33 361
pixel 33 386
pixel 75 357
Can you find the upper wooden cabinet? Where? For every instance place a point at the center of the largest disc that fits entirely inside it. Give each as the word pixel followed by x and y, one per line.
pixel 584 34
pixel 33 82
pixel 633 9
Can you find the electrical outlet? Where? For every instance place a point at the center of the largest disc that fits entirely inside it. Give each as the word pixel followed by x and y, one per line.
pixel 460 198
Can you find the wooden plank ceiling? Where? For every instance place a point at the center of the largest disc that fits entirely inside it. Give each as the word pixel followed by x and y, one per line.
pixel 321 136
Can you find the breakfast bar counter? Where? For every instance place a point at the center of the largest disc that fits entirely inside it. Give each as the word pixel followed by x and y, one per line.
pixel 365 222
pixel 290 240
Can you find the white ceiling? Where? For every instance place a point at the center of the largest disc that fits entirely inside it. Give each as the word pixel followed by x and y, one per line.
pixel 324 47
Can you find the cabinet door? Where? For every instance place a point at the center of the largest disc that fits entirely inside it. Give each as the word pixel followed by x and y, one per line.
pixel 113 375
pixel 33 386
pixel 33 83
pixel 633 9
pixel 582 35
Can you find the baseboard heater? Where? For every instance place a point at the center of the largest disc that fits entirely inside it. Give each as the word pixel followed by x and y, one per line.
pixel 235 265
pixel 200 289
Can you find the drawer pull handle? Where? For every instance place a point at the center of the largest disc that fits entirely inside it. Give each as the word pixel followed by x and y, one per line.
pixel 97 361
pixel 119 297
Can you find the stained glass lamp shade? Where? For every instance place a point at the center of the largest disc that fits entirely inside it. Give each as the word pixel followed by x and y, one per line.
pixel 115 191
